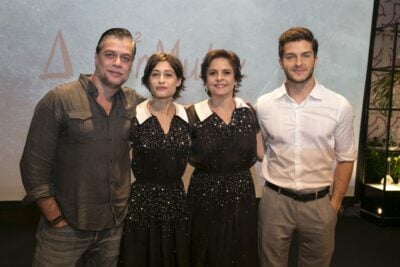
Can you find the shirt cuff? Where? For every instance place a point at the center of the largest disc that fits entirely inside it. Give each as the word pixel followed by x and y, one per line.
pixel 39 192
pixel 350 156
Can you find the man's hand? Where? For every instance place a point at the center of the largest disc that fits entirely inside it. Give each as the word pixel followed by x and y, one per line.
pixel 51 212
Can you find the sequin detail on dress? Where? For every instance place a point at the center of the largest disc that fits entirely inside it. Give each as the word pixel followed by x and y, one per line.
pixel 156 229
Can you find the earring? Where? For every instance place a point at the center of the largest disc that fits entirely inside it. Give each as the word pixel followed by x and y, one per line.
pixel 205 88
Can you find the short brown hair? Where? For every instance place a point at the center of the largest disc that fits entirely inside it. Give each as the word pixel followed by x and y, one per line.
pixel 297 34
pixel 228 55
pixel 175 64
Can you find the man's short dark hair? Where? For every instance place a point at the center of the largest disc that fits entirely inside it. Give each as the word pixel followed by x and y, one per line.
pixel 119 33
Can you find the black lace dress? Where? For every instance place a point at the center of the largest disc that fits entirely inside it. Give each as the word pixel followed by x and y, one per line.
pixel 221 192
pixel 156 229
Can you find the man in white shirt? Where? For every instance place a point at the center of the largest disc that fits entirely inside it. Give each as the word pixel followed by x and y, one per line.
pixel 310 151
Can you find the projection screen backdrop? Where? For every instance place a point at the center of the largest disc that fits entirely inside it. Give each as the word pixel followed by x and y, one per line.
pixel 45 43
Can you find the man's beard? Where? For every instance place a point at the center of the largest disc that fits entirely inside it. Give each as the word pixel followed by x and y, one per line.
pixel 291 78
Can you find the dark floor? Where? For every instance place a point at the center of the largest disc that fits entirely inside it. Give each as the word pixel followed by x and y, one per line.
pixel 358 242
pixel 362 243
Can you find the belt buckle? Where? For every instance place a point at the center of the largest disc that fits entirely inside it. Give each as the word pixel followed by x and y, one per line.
pixel 316 195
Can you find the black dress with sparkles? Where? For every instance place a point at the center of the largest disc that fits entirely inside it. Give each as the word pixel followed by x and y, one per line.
pixel 156 231
pixel 221 192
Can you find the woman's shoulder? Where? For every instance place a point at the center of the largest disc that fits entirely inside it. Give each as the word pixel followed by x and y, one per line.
pixel 191 112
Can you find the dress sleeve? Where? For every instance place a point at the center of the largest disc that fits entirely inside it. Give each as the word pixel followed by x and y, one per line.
pixel 253 119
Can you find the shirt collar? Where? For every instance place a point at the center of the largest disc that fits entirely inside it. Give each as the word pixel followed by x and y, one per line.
pixel 143 113
pixel 204 111
pixel 281 92
pixel 316 92
pixel 92 90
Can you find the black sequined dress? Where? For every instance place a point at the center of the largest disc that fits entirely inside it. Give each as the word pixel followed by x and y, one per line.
pixel 156 231
pixel 221 192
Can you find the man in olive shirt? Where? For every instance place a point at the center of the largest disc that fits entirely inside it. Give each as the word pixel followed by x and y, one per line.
pixel 76 166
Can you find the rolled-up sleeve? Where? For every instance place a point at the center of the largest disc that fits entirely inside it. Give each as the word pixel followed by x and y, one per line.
pixel 345 145
pixel 38 156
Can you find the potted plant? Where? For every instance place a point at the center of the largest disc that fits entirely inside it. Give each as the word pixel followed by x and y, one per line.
pixel 381 90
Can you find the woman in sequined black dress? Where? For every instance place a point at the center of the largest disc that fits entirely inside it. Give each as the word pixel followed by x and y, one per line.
pixel 156 229
pixel 226 142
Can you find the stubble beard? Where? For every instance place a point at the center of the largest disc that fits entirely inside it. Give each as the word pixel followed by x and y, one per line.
pixel 290 77
pixel 107 82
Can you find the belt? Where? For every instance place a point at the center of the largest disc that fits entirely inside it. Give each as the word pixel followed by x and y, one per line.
pixel 296 196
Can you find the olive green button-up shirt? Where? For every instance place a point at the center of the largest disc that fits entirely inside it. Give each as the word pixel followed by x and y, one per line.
pixel 80 155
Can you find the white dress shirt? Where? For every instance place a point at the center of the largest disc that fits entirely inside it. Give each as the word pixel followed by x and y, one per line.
pixel 305 141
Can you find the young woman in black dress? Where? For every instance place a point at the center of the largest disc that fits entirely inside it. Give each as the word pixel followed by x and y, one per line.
pixel 156 229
